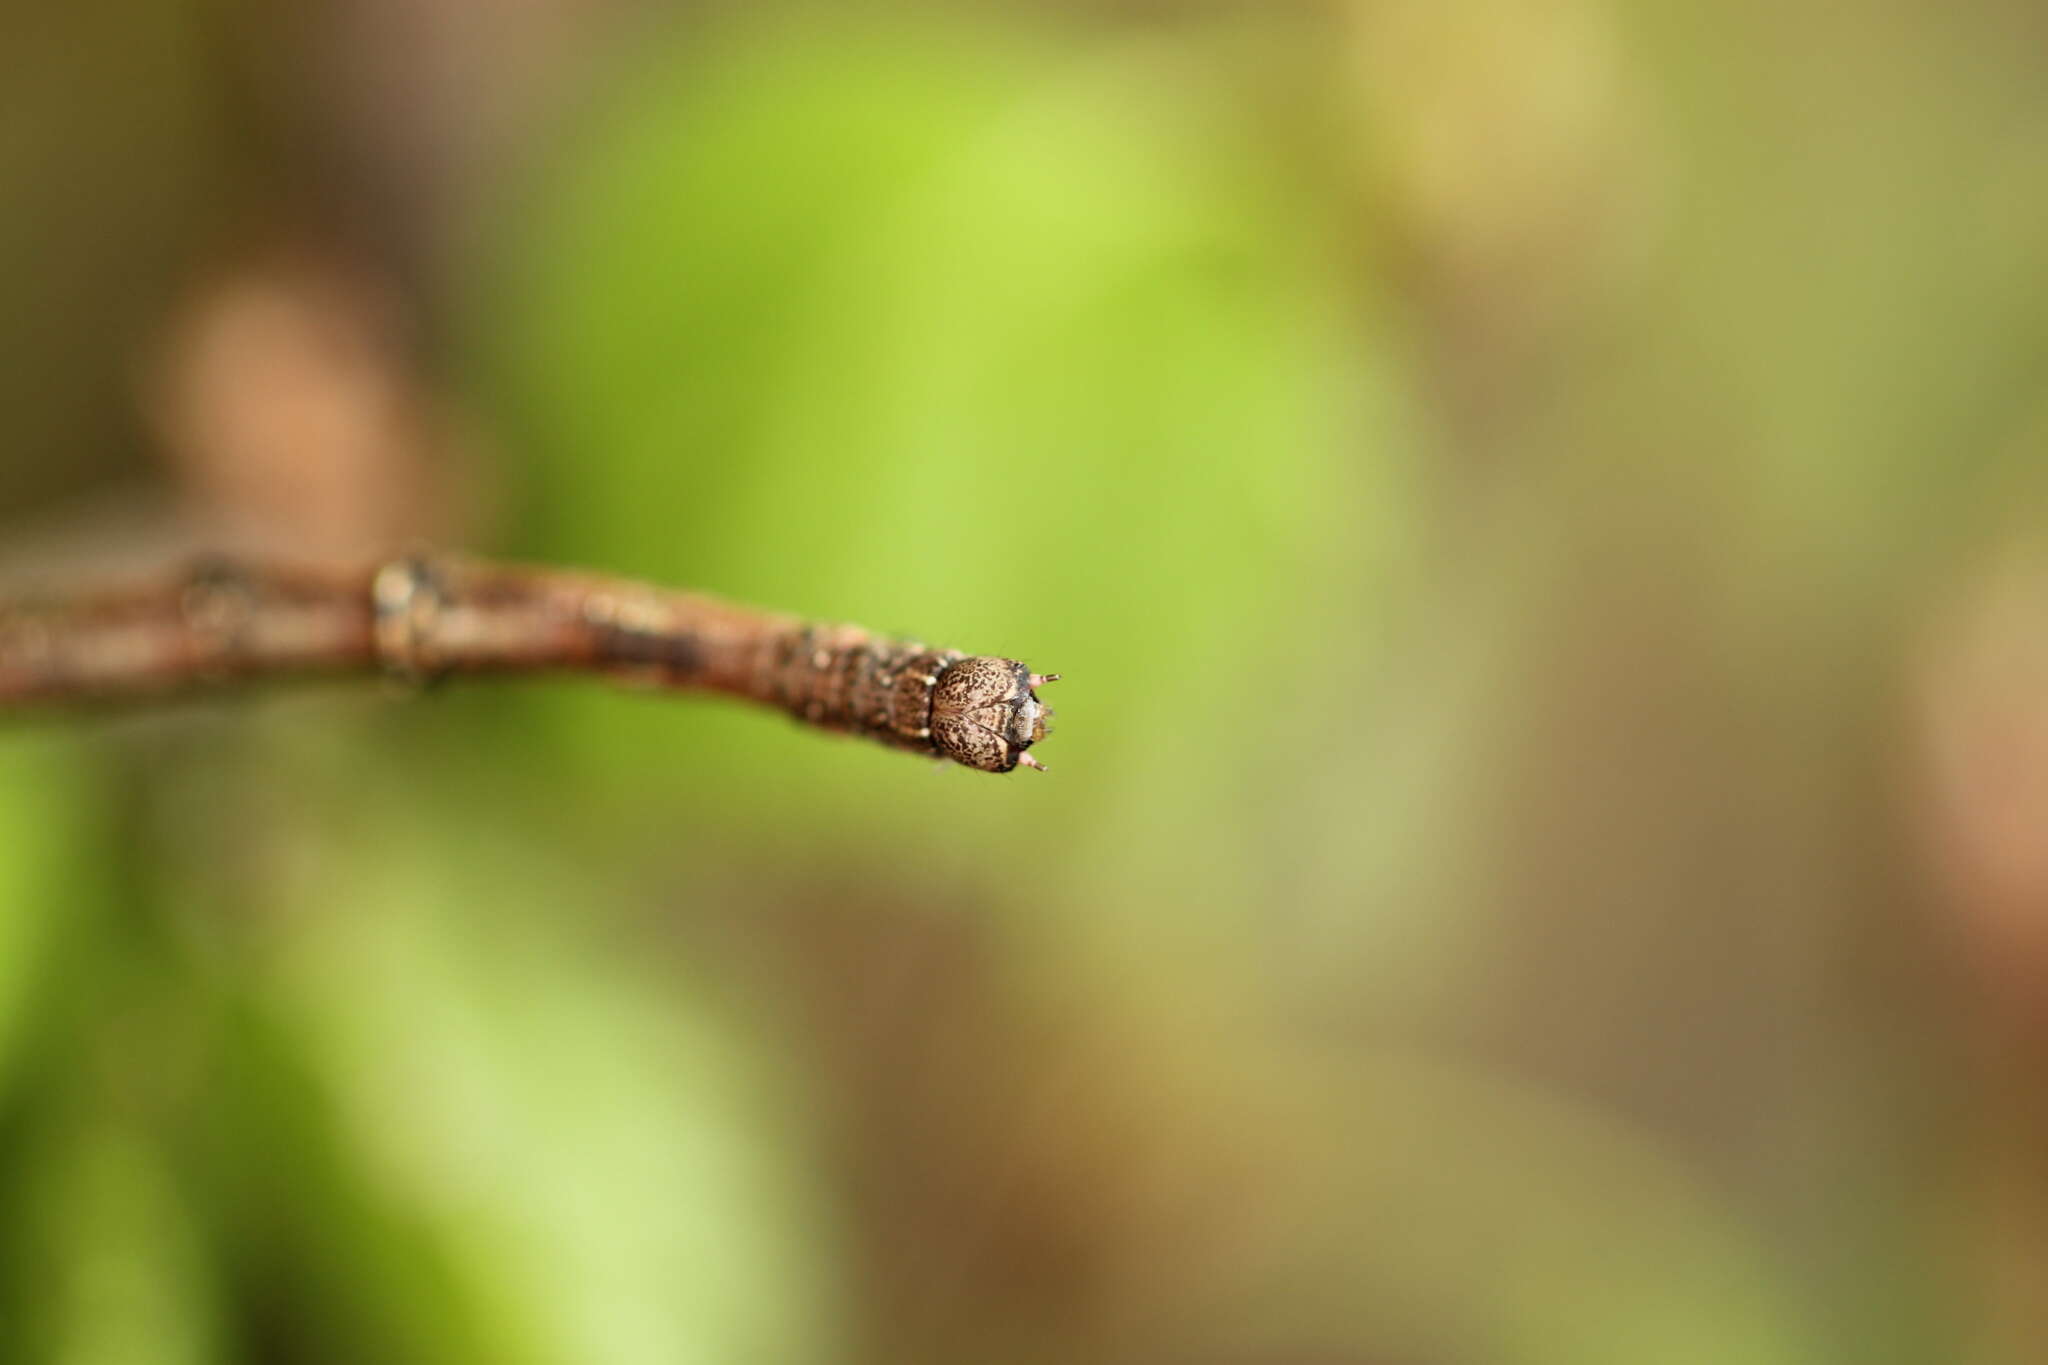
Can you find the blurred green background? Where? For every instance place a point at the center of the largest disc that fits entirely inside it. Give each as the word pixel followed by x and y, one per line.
pixel 1540 508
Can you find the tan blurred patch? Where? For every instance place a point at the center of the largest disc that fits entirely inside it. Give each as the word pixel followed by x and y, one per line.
pixel 1982 756
pixel 285 398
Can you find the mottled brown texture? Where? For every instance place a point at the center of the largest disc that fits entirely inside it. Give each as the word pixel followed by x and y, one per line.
pixel 984 713
pixel 425 617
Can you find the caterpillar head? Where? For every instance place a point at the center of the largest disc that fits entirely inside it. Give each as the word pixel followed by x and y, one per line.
pixel 985 713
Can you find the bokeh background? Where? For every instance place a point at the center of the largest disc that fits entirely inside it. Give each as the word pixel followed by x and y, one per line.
pixel 1541 510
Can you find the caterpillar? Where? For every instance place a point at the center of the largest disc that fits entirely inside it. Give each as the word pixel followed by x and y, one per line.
pixel 426 617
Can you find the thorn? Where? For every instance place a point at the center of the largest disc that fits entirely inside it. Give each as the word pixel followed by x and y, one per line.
pixel 1028 761
pixel 1040 679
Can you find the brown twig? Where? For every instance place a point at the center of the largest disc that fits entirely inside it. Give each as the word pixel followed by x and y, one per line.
pixel 423 618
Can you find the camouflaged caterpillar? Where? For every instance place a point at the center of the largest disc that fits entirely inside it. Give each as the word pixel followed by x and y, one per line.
pixel 424 617
pixel 979 711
